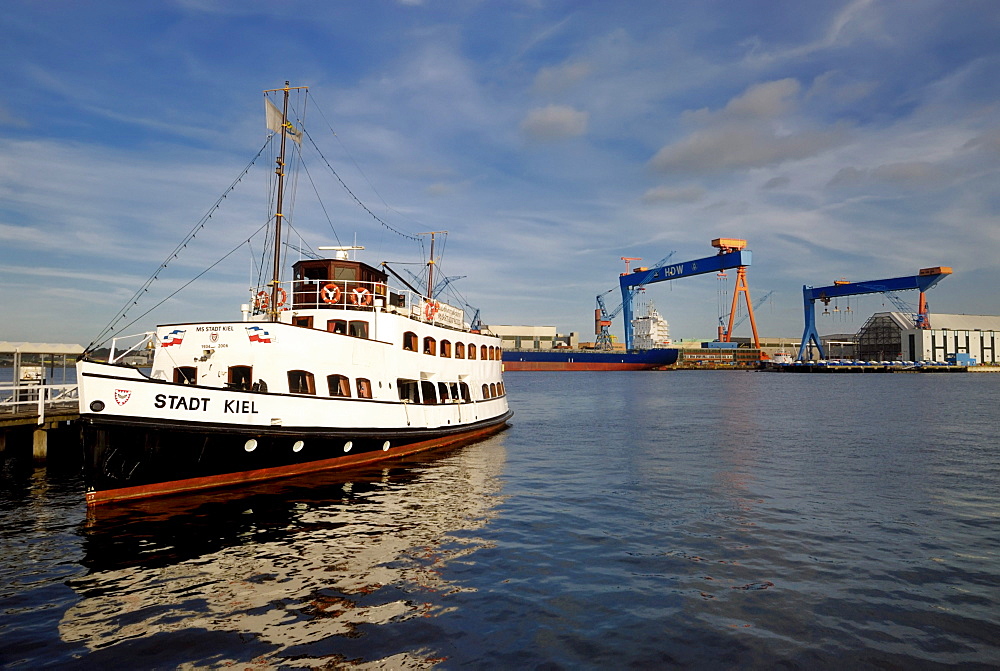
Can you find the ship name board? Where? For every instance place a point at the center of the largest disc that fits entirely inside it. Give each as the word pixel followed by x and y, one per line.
pixel 230 407
pixel 449 315
pixel 239 407
pixel 181 402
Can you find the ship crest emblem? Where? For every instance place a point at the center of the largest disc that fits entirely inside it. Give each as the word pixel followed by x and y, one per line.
pixel 214 337
pixel 122 396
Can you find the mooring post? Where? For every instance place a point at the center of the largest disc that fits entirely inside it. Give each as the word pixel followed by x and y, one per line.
pixel 40 444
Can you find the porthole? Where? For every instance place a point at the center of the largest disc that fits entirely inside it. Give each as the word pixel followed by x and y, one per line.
pixel 250 445
pixel 348 445
pixel 97 406
pixel 297 446
pixel 385 446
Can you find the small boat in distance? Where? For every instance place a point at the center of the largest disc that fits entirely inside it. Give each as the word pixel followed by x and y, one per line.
pixel 782 357
pixel 335 368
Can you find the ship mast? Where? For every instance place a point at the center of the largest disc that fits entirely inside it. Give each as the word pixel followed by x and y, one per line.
pixel 273 312
pixel 430 266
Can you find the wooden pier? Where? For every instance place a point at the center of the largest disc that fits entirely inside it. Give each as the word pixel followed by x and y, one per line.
pixel 33 411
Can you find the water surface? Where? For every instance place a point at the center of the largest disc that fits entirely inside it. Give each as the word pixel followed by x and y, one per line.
pixel 698 519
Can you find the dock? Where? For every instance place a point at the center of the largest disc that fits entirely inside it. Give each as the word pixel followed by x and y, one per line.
pixel 880 367
pixel 31 412
pixel 32 408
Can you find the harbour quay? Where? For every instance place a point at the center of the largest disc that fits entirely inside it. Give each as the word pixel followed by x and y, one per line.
pixel 878 367
pixel 38 400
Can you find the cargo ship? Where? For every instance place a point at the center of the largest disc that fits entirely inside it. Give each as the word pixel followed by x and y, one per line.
pixel 652 340
pixel 588 359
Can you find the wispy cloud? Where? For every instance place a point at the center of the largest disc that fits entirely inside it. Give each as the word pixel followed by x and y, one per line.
pixel 554 122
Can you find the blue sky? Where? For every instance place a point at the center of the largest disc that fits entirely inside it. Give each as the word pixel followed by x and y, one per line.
pixel 850 139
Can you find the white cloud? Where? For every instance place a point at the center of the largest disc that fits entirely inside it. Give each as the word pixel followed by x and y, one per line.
pixel 557 80
pixel 757 128
pixel 766 100
pixel 845 28
pixel 740 146
pixel 554 122
pixel 440 189
pixel 687 194
pixel 7 118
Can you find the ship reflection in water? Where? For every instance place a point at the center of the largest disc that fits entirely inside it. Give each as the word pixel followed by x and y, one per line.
pixel 299 571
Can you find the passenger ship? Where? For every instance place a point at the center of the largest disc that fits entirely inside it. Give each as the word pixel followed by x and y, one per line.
pixel 336 368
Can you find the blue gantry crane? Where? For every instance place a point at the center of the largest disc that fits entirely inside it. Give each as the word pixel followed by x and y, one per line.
pixel 923 280
pixel 732 254
pixel 602 318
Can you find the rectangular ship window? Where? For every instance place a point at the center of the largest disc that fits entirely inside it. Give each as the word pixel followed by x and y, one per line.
pixel 407 391
pixel 186 375
pixel 338 385
pixel 240 377
pixel 301 382
pixel 364 388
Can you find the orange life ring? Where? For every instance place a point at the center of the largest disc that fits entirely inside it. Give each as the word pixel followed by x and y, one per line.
pixel 431 309
pixel 331 293
pixel 262 301
pixel 282 297
pixel 361 296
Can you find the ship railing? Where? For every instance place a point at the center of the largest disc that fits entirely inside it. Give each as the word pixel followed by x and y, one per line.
pixel 364 296
pixel 146 343
pixel 29 397
pixel 323 294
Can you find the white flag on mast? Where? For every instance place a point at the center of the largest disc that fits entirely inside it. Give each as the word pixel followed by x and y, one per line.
pixel 273 115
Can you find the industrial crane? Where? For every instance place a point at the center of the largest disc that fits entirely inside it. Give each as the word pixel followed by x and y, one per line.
pixel 439 286
pixel 724 334
pixel 602 318
pixel 923 280
pixel 732 254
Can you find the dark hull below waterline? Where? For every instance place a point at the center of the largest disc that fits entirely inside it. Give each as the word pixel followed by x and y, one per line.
pixel 125 462
pixel 514 360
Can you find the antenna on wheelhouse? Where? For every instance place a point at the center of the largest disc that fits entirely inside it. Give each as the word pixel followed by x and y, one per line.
pixel 286 129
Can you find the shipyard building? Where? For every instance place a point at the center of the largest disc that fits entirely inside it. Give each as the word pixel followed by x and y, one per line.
pixel 531 337
pixel 892 336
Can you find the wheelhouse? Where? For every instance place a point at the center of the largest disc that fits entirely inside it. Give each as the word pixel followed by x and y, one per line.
pixel 338 283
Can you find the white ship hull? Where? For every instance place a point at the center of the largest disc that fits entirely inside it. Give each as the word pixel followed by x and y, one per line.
pixel 149 435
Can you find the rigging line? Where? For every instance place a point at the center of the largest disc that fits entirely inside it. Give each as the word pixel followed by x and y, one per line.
pixel 302 240
pixel 356 199
pixel 319 108
pixel 187 284
pixel 388 207
pixel 252 258
pixel 190 236
pixel 444 245
pixel 322 205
